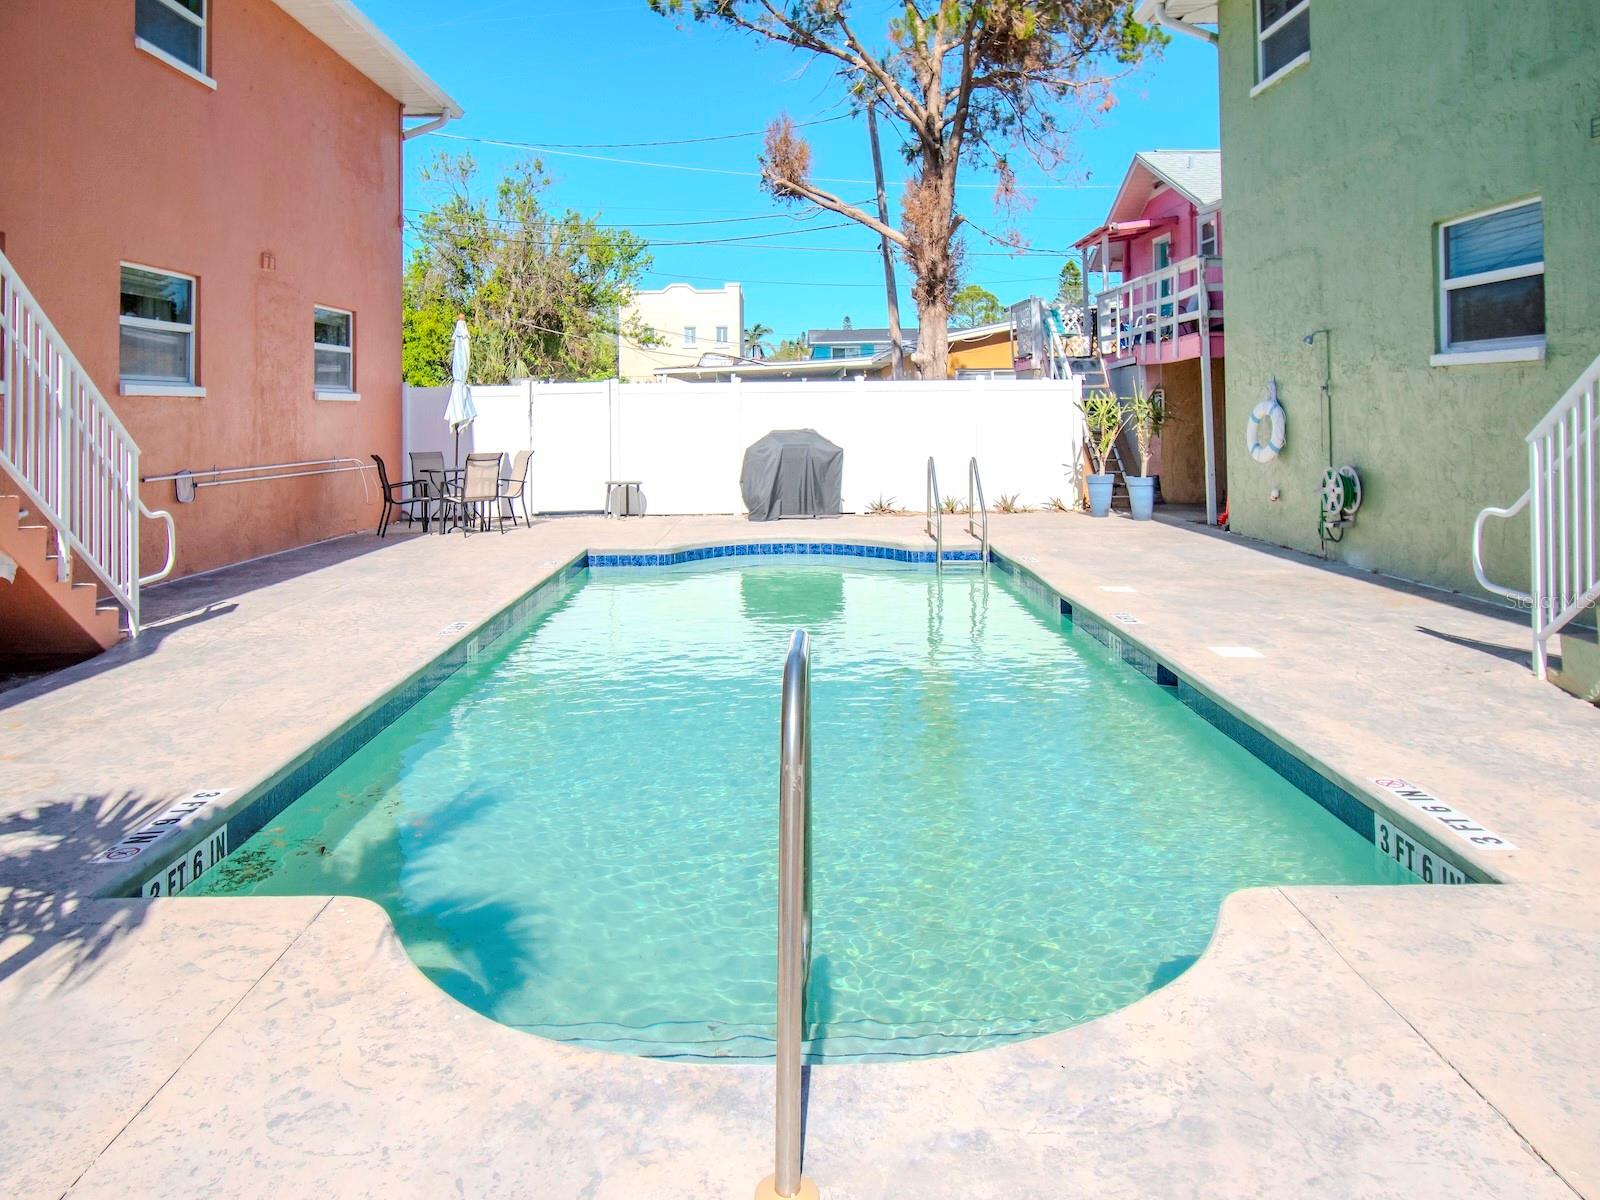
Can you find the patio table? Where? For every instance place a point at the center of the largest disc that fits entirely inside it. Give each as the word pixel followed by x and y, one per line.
pixel 435 484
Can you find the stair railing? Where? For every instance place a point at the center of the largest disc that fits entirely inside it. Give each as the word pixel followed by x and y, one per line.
pixel 64 447
pixel 1565 577
pixel 977 509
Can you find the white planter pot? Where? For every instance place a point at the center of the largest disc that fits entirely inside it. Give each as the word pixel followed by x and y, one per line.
pixel 1100 494
pixel 1141 495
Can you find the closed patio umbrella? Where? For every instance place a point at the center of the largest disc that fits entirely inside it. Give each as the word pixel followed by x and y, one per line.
pixel 460 412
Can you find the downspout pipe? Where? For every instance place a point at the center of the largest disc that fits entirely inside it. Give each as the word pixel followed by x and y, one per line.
pixel 1158 11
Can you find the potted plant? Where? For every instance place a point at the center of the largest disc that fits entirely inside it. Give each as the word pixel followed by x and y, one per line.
pixel 1147 413
pixel 1103 419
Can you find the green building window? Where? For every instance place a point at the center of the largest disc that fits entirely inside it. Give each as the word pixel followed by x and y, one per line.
pixel 1283 40
pixel 1491 279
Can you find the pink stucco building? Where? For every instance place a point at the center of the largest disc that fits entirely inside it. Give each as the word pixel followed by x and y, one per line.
pixel 1159 323
pixel 201 203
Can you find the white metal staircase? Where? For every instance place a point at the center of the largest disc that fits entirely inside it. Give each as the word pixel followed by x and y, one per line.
pixel 1565 511
pixel 63 448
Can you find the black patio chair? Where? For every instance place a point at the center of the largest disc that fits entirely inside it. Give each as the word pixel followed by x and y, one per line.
pixel 394 498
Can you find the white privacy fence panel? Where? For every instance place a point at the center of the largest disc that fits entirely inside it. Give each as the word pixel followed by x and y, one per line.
pixel 685 443
pixel 573 446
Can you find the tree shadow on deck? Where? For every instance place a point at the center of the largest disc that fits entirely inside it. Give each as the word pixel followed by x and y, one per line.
pixel 55 841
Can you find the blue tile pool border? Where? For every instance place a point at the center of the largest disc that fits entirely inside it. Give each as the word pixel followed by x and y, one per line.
pixel 672 558
pixel 1344 804
pixel 262 804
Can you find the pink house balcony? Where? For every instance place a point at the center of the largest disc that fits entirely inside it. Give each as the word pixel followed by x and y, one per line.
pixel 1161 317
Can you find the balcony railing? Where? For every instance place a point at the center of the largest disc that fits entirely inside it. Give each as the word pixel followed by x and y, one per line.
pixel 1150 315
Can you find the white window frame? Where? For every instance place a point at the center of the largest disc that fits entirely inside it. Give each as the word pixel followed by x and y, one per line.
pixel 690 335
pixel 1262 35
pixel 1211 219
pixel 134 385
pixel 198 73
pixel 334 393
pixel 722 335
pixel 1527 348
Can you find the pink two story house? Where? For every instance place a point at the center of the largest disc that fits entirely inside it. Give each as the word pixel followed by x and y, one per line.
pixel 1159 325
pixel 201 222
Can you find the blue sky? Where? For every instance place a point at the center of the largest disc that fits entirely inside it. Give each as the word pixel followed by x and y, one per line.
pixel 557 72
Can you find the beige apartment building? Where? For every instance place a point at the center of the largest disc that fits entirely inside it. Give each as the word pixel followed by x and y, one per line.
pixel 684 323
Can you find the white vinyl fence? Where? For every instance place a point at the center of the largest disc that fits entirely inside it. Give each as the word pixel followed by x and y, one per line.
pixel 685 443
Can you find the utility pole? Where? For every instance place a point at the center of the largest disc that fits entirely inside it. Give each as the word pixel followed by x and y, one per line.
pixel 897 353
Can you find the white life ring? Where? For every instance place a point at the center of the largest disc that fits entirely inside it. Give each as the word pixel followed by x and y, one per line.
pixel 1268 410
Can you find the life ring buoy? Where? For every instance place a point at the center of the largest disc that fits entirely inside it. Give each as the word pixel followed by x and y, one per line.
pixel 1267 411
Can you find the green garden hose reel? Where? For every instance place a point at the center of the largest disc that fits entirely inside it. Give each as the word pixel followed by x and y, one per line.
pixel 1341 497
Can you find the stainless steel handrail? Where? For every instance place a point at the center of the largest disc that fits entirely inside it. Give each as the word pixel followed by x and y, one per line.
pixel 935 524
pixel 207 478
pixel 794 911
pixel 310 462
pixel 977 506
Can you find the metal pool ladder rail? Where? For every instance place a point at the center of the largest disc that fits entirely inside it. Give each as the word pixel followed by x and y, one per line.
pixel 977 509
pixel 935 523
pixel 794 914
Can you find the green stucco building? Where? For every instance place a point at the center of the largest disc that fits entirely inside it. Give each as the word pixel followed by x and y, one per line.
pixel 1421 179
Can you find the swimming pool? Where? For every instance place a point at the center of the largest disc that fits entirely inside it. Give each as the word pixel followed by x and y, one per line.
pixel 1013 831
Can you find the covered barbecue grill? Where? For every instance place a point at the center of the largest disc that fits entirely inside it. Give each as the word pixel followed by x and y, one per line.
pixel 792 473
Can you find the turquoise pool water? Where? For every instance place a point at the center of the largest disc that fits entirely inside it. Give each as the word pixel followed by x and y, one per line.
pixel 1013 831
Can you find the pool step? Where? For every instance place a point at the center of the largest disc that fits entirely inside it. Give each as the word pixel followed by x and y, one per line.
pixel 961 558
pixel 859 1041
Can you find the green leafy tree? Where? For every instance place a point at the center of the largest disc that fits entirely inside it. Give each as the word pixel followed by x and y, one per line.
pixel 541 290
pixel 757 343
pixel 963 82
pixel 791 349
pixel 1070 289
pixel 974 305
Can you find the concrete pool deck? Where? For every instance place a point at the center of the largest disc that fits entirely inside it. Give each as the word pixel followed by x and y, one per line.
pixel 1335 1042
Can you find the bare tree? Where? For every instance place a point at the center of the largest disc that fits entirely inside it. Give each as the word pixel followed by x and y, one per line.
pixel 965 82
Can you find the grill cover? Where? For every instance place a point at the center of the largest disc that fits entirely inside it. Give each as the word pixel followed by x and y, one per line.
pixel 792 473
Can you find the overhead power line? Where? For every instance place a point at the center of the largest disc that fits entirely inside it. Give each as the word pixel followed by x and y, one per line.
pixel 530 238
pixel 542 148
pixel 829 283
pixel 796 218
pixel 716 137
pixel 534 240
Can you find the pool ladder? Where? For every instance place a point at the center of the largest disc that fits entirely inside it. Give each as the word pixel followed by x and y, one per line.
pixel 977 517
pixel 794 916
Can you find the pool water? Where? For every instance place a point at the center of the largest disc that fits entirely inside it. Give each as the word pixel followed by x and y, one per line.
pixel 1013 831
